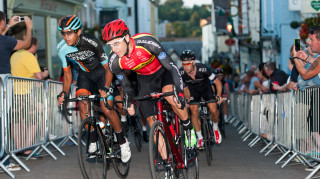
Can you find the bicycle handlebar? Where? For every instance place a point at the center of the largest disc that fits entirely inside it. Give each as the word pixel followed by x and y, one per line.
pixel 203 102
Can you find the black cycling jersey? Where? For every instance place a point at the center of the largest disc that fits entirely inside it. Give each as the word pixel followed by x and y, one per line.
pixel 88 53
pixel 146 58
pixel 203 76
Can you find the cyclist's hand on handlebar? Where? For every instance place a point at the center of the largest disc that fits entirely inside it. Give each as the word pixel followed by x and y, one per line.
pixel 219 99
pixel 103 93
pixel 131 110
pixel 180 103
pixel 60 98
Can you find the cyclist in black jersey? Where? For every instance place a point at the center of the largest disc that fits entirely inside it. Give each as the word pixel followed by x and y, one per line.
pixel 94 75
pixel 225 93
pixel 197 78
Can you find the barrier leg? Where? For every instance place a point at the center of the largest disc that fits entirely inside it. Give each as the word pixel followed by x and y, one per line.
pixel 240 127
pixel 55 146
pixel 236 123
pixel 49 152
pixel 286 163
pixel 306 161
pixel 282 157
pixel 254 139
pixel 4 168
pixel 254 143
pixel 246 138
pixel 20 162
pixel 74 141
pixel 63 141
pixel 41 149
pixel 243 129
pixel 271 150
pixel 264 148
pixel 245 134
pixel 232 119
pixel 313 172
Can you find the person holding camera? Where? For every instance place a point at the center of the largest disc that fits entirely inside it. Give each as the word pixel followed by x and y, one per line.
pixel 9 44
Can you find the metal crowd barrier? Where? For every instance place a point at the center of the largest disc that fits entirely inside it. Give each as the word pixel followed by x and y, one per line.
pixel 289 121
pixel 31 119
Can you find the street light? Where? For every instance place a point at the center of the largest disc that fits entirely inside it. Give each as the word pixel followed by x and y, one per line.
pixel 229 27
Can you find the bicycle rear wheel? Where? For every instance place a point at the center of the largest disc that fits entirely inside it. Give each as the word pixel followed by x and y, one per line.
pixel 136 131
pixel 161 165
pixel 207 139
pixel 92 165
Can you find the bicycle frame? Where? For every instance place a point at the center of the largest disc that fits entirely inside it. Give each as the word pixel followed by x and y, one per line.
pixel 176 150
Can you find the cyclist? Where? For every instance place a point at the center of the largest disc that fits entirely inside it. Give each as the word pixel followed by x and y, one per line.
pixel 197 78
pixel 94 75
pixel 225 93
pixel 156 72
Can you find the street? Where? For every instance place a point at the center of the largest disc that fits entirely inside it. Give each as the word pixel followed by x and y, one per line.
pixel 232 159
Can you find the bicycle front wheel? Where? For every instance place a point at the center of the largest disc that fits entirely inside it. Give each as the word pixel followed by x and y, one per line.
pixel 121 169
pixel 92 164
pixel 160 160
pixel 207 139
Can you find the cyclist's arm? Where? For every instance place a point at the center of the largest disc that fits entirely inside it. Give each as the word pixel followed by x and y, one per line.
pixel 167 63
pixel 109 75
pixel 218 85
pixel 67 79
pixel 227 90
pixel 186 92
pixel 120 74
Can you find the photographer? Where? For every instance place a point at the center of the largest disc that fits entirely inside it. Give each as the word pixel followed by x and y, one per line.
pixel 301 57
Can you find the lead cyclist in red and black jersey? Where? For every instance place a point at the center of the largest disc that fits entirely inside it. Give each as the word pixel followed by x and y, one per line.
pixel 94 74
pixel 156 71
pixel 197 78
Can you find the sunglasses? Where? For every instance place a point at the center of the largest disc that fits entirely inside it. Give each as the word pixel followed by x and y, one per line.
pixel 68 33
pixel 186 63
pixel 116 43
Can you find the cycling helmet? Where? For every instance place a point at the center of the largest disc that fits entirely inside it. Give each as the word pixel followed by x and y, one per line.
pixel 69 22
pixel 219 71
pixel 187 55
pixel 115 29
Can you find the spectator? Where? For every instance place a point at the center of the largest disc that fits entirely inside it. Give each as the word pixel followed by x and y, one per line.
pixel 252 87
pixel 263 84
pixel 292 80
pixel 314 43
pixel 25 64
pixel 276 76
pixel 7 45
pixel 313 81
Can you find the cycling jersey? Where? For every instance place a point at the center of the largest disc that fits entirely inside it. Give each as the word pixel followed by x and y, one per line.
pixel 203 76
pixel 200 86
pixel 146 58
pixel 88 53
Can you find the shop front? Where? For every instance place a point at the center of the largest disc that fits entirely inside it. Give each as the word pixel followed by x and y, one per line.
pixel 45 15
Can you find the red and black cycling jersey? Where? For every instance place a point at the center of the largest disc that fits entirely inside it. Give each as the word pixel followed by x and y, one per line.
pixel 88 53
pixel 146 58
pixel 202 78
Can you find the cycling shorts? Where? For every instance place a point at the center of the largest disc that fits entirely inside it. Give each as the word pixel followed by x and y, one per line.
pixel 152 83
pixel 203 91
pixel 92 81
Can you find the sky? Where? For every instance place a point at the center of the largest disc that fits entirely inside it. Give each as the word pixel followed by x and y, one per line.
pixel 190 3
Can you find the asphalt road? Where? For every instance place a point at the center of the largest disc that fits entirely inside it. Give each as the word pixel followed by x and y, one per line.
pixel 233 159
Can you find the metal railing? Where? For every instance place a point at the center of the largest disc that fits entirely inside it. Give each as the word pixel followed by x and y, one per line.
pixel 31 119
pixel 287 121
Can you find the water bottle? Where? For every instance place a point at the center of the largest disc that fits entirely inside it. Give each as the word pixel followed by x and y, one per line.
pixel 102 127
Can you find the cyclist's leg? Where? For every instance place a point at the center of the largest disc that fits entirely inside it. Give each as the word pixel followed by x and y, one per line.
pixel 118 96
pixel 225 110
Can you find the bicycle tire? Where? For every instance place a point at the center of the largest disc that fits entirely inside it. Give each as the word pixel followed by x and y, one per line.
pixel 91 165
pixel 207 139
pixel 221 124
pixel 136 131
pixel 159 167
pixel 121 169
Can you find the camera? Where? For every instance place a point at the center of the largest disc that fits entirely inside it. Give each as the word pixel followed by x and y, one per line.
pixel 297 45
pixel 21 19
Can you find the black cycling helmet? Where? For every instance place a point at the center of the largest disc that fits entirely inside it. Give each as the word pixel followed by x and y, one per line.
pixel 219 71
pixel 69 22
pixel 187 55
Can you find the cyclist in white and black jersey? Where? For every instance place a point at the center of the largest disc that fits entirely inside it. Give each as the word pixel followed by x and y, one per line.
pixel 197 78
pixel 94 75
